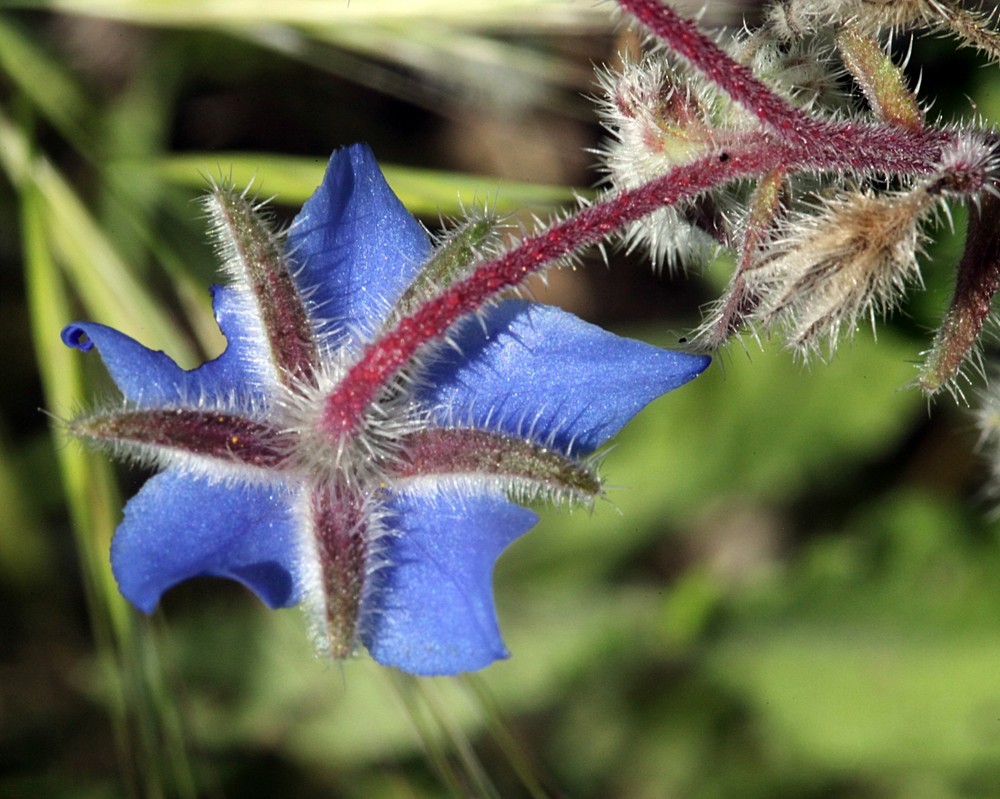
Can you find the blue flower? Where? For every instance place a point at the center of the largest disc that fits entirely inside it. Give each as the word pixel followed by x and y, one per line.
pixel 387 533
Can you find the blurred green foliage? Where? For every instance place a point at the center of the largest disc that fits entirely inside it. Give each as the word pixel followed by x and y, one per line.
pixel 791 590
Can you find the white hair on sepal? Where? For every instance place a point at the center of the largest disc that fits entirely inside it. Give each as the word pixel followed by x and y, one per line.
pixel 327 331
pixel 246 327
pixel 445 416
pixel 233 214
pixel 449 340
pixel 310 573
pixel 370 528
pixel 228 471
pixel 214 471
pixel 853 258
pixel 794 19
pixel 490 244
pixel 437 349
pixel 365 456
pixel 383 308
pixel 377 561
pixel 804 72
pixel 374 528
pixel 669 241
pixel 518 233
pixel 973 363
pixel 455 255
pixel 660 116
pixel 520 489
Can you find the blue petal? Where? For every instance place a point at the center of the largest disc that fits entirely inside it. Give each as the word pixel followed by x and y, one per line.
pixel 431 609
pixel 178 527
pixel 356 245
pixel 244 367
pixel 144 376
pixel 530 369
pixel 151 378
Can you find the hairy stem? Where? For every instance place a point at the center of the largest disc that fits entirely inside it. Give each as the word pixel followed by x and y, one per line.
pixel 735 79
pixel 883 149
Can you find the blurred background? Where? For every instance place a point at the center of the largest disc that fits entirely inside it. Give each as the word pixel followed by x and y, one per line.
pixel 791 590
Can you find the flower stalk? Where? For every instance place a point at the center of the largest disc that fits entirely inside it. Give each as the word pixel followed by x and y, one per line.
pixel 873 149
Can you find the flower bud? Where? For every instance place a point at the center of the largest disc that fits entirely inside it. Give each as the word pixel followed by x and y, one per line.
pixel 851 260
pixel 659 122
pixel 977 282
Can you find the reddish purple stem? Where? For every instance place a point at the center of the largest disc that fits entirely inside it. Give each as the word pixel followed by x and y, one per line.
pixel 871 149
pixel 735 79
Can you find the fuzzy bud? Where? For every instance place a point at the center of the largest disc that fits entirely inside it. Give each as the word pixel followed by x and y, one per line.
pixel 851 260
pixel 977 282
pixel 793 19
pixel 659 122
pixel 882 82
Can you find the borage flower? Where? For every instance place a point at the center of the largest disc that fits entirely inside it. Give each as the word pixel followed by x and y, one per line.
pixel 387 531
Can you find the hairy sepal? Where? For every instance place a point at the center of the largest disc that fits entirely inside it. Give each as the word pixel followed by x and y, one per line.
pixel 520 468
pixel 882 82
pixel 340 531
pixel 732 313
pixel 852 260
pixel 657 122
pixel 254 257
pixel 976 284
pixel 455 257
pixel 218 443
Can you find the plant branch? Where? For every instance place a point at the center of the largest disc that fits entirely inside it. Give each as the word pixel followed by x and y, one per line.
pixel 846 146
pixel 737 80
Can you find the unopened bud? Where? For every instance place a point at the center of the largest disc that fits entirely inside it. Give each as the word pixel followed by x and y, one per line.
pixel 977 281
pixel 853 259
pixel 658 123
